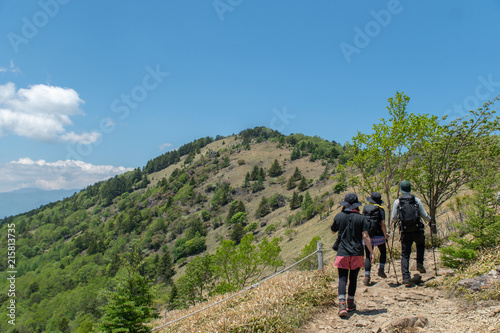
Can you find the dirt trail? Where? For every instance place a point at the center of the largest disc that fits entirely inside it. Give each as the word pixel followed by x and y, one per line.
pixel 385 303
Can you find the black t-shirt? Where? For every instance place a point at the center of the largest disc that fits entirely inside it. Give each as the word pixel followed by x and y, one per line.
pixel 370 207
pixel 350 226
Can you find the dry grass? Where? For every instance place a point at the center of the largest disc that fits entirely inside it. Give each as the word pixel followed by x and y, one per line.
pixel 483 264
pixel 281 304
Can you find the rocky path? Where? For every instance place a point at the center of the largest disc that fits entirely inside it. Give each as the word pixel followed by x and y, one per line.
pixel 385 306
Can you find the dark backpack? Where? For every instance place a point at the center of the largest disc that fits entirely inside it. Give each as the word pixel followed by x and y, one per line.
pixel 408 213
pixel 374 217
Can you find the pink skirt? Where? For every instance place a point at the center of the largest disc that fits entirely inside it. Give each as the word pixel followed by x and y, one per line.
pixel 350 262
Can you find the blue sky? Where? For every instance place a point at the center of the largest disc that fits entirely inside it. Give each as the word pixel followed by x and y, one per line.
pixel 89 89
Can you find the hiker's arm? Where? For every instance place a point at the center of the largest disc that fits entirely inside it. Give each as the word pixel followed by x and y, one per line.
pixel 394 214
pixel 421 210
pixel 382 223
pixel 368 244
pixel 335 226
pixel 384 230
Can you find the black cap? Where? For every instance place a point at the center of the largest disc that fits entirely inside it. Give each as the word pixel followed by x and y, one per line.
pixel 350 201
pixel 375 198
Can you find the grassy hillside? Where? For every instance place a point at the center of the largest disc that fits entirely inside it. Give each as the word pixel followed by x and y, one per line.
pixel 67 253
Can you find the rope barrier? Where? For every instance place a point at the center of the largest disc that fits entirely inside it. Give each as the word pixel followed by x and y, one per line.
pixel 236 294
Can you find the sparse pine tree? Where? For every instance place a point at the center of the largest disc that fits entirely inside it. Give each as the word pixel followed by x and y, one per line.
pixel 307 201
pixel 275 170
pixel 263 209
pixel 246 183
pixel 325 173
pixel 303 184
pixel 130 303
pixel 255 173
pixel 297 175
pixel 258 185
pixel 262 174
pixel 296 201
pixel 166 270
pixel 291 184
pixel 238 233
pixel 295 154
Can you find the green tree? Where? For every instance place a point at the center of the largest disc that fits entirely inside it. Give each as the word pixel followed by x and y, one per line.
pixel 238 266
pixel 275 170
pixel 295 154
pixel 383 156
pixel 303 184
pixel 240 217
pixel 482 221
pixel 255 173
pixel 311 262
pixel 308 201
pixel 237 233
pixel 195 285
pixel 130 302
pixel 296 201
pixel 236 206
pixel 263 209
pixel 290 185
pixel 258 185
pixel 246 183
pixel 166 270
pixel 449 158
pixel 297 175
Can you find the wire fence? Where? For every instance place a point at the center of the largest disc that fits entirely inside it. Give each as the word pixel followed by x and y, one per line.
pixel 321 259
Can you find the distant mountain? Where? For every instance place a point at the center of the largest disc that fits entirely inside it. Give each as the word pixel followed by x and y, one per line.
pixel 26 199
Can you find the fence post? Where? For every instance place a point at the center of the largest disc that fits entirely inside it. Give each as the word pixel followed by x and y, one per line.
pixel 320 256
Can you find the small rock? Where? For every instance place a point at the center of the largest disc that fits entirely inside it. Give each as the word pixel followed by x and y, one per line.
pixel 382 285
pixel 404 323
pixel 362 323
pixel 495 311
pixel 377 329
pixel 421 322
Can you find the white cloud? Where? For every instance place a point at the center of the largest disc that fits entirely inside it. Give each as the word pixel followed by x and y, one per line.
pixel 67 174
pixel 41 113
pixel 165 146
pixel 12 68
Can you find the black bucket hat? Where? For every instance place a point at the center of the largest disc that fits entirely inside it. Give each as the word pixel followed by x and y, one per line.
pixel 375 198
pixel 350 201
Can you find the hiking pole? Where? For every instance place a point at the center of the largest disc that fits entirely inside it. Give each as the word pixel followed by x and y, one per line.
pixel 390 252
pixel 392 260
pixel 432 243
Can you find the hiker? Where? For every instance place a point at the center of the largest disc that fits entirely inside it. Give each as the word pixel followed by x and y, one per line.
pixel 409 211
pixel 352 229
pixel 374 213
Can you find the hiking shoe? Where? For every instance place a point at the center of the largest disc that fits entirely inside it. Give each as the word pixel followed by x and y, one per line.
pixel 381 273
pixel 421 269
pixel 342 309
pixel 416 279
pixel 366 281
pixel 351 306
pixel 407 282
